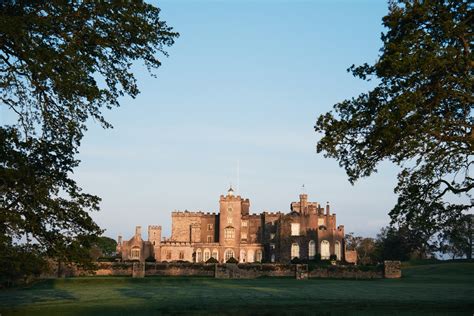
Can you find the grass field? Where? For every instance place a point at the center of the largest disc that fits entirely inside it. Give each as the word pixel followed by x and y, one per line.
pixel 439 289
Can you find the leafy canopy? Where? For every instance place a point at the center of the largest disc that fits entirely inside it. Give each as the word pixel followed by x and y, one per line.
pixel 61 63
pixel 419 115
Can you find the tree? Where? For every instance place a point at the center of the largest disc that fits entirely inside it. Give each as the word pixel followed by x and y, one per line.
pixel 457 239
pixel 400 243
pixel 107 246
pixel 364 246
pixel 61 64
pixel 419 115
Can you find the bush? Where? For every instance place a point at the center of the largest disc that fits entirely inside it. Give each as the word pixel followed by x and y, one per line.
pixel 232 260
pixel 150 259
pixel 332 257
pixel 212 260
pixel 296 260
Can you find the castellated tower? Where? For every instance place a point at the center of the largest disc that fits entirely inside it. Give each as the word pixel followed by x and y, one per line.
pixel 154 237
pixel 230 213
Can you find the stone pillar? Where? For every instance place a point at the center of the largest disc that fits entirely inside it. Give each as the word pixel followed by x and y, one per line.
pixel 138 270
pixel 392 269
pixel 301 271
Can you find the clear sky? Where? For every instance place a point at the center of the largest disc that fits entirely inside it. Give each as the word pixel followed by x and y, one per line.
pixel 243 85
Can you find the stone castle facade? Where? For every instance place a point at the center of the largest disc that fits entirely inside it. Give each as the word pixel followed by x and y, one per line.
pixel 306 231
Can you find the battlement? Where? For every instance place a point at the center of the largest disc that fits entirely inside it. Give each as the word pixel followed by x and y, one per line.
pixel 187 213
pixel 277 213
pixel 167 242
pixel 154 227
pixel 340 227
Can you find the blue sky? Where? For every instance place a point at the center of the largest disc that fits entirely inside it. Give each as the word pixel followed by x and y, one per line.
pixel 243 84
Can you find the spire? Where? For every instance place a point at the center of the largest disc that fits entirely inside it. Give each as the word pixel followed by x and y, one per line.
pixel 230 191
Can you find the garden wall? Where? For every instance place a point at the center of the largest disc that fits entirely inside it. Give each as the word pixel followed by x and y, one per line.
pixel 243 271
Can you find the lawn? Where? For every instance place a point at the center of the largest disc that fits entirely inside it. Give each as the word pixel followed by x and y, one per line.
pixel 439 289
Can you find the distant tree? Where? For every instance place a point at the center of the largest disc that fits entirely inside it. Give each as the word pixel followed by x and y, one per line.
pixel 401 243
pixel 107 246
pixel 457 239
pixel 419 115
pixel 61 63
pixel 364 246
pixel 212 260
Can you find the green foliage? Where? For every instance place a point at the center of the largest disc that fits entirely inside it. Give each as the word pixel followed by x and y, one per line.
pixel 212 260
pixel 232 260
pixel 419 116
pixel 107 246
pixel 150 259
pixel 457 239
pixel 61 63
pixel 400 244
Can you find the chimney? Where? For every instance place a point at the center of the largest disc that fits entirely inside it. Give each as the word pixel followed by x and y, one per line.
pixel 138 231
pixel 327 208
pixel 119 240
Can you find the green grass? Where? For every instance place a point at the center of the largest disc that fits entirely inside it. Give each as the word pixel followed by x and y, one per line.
pixel 438 289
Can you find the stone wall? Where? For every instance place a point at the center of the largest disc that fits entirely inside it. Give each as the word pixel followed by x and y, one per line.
pixel 242 271
pixel 392 269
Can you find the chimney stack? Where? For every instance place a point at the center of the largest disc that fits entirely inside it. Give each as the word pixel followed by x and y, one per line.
pixel 327 208
pixel 138 231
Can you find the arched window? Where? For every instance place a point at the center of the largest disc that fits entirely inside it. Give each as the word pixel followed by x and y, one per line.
pixel 215 254
pixel 242 256
pixel 311 249
pixel 325 249
pixel 295 251
pixel 337 247
pixel 250 256
pixel 273 257
pixel 207 254
pixel 229 253
pixel 135 253
pixel 198 255
pixel 258 256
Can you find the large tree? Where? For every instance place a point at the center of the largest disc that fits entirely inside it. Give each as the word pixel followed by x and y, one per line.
pixel 61 63
pixel 419 115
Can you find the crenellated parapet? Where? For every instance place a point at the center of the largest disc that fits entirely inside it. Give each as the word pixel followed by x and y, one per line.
pixel 187 213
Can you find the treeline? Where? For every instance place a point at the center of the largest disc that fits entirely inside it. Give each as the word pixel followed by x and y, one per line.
pixel 403 243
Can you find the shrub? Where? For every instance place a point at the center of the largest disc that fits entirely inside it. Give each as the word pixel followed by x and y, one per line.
pixel 212 260
pixel 296 260
pixel 150 259
pixel 232 260
pixel 332 257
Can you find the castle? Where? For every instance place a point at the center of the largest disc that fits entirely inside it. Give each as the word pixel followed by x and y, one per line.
pixel 309 230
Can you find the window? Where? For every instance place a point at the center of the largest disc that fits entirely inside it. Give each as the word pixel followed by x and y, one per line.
pixel 311 249
pixel 209 238
pixel 272 246
pixel 181 255
pixel 244 223
pixel 229 253
pixel 325 249
pixel 168 254
pixel 207 254
pixel 250 256
pixel 295 229
pixel 243 235
pixel 229 220
pixel 337 250
pixel 135 253
pixel 209 226
pixel 321 222
pixel 215 254
pixel 295 251
pixel 229 233
pixel 229 209
pixel 258 256
pixel 198 255
pixel 272 236
pixel 242 256
pixel 272 258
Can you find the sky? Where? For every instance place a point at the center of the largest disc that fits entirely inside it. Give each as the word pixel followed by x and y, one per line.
pixel 236 102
